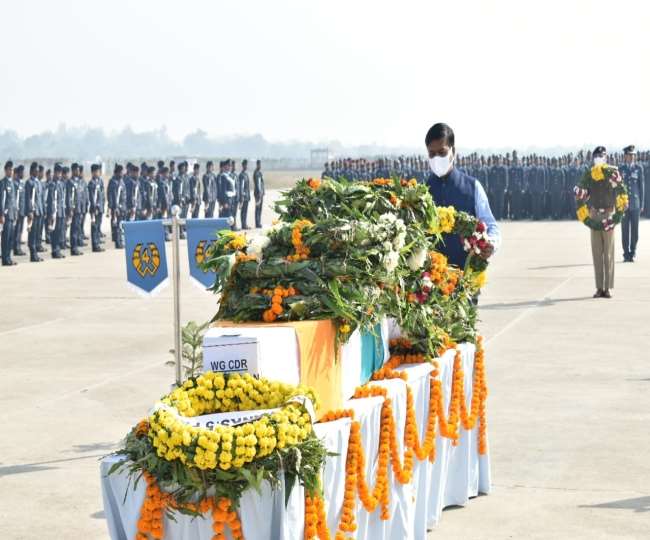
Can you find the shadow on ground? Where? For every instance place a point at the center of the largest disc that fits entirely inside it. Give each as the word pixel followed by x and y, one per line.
pixel 638 504
pixel 532 303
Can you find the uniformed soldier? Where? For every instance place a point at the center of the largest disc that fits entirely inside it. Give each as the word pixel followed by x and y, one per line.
pixel 556 188
pixel 537 189
pixel 149 190
pixel 73 207
pixel 209 190
pixel 95 206
pixel 85 205
pixel 497 187
pixel 48 181
pixel 8 214
pixel 19 187
pixel 42 187
pixel 573 175
pixel 227 195
pixel 516 188
pixel 34 210
pixel 258 192
pixel 56 212
pixel 180 190
pixel 164 200
pixel 133 198
pixel 244 193
pixel 194 191
pixel 116 193
pixel 634 180
pixel 326 172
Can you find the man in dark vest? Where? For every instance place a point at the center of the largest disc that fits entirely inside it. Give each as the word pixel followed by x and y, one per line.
pixel 449 187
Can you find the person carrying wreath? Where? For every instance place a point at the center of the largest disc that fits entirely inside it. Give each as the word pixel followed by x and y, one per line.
pixel 598 187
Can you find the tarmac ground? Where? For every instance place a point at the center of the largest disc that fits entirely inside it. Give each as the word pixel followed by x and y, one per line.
pixel 83 358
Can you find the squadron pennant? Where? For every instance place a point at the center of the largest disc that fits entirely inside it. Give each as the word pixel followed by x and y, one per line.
pixel 201 233
pixel 146 262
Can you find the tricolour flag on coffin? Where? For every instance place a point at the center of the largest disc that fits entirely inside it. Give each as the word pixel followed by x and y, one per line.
pixel 201 233
pixel 146 260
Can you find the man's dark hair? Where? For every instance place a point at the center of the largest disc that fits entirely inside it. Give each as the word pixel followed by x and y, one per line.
pixel 440 131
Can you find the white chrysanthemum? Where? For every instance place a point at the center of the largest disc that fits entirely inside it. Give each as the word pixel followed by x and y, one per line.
pixel 417 258
pixel 387 218
pixel 391 259
pixel 257 245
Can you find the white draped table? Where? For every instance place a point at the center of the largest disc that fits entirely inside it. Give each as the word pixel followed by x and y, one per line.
pixel 457 474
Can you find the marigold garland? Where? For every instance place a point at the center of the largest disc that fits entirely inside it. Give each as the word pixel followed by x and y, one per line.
pixel 388 454
pixel 302 251
pixel 156 503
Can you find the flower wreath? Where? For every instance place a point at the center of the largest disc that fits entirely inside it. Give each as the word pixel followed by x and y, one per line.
pixel 601 173
pixel 282 422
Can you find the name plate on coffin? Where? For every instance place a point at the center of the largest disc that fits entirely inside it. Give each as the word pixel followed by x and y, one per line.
pixel 231 353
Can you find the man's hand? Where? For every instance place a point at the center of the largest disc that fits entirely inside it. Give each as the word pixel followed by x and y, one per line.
pixel 2 219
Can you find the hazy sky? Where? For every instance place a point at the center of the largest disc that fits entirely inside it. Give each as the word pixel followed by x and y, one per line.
pixel 502 73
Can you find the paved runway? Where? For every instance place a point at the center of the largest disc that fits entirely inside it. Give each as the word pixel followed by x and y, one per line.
pixel 569 409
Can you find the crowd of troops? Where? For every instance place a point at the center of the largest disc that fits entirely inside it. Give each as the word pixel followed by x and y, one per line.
pixel 55 204
pixel 529 187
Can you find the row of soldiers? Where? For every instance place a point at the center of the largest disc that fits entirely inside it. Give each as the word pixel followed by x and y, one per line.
pixel 529 187
pixel 55 204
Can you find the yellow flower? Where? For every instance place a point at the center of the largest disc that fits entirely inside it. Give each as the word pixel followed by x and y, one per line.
pixel 446 220
pixel 597 173
pixel 582 213
pixel 479 280
pixel 622 202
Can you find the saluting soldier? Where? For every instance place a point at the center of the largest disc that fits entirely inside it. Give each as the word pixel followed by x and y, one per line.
pixel 209 190
pixel 244 193
pixel 19 187
pixel 34 210
pixel 258 192
pixel 194 191
pixel 56 212
pixel 95 206
pixel 634 180
pixel 117 204
pixel 8 214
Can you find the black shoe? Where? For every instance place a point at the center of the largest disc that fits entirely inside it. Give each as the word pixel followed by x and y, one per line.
pixel 607 294
pixel 58 256
pixel 599 293
pixel 9 263
pixel 182 237
pixel 98 249
pixel 20 253
pixel 119 246
pixel 76 253
pixel 41 249
pixel 83 244
pixel 35 259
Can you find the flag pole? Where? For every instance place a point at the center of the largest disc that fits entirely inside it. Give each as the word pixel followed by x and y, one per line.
pixel 176 278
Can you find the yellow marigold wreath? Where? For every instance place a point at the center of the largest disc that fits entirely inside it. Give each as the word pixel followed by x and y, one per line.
pixel 228 446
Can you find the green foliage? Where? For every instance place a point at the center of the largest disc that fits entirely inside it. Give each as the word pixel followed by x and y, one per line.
pixel 192 352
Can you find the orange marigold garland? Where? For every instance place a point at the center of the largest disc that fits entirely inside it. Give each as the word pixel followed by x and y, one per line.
pixel 302 251
pixel 156 502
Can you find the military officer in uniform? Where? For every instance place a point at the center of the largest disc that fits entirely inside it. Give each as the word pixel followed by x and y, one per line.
pixel 517 188
pixel 42 187
pixel 117 205
pixel 164 201
pixel 56 212
pixel 194 189
pixel 8 214
pixel 227 195
pixel 634 180
pixel 258 192
pixel 74 208
pixel 556 185
pixel 95 206
pixel 133 199
pixel 244 193
pixel 209 190
pixel 19 187
pixel 497 187
pixel 179 195
pixel 34 210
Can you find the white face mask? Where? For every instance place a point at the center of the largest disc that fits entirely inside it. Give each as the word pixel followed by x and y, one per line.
pixel 441 165
pixel 599 160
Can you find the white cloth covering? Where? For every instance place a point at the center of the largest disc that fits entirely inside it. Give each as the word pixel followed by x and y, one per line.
pixel 457 474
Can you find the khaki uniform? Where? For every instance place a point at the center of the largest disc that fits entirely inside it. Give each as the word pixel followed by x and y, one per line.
pixel 602 251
